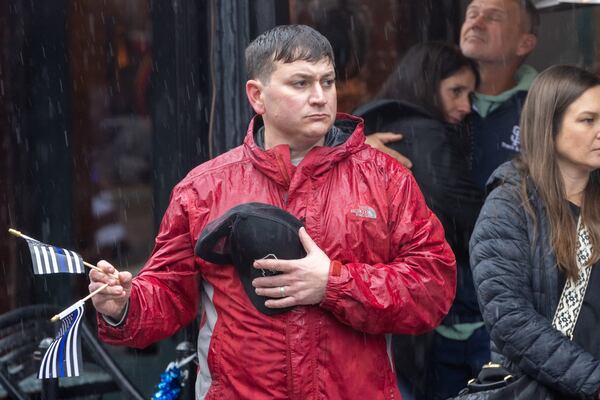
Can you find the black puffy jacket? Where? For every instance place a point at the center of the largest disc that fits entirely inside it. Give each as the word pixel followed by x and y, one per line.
pixel 518 290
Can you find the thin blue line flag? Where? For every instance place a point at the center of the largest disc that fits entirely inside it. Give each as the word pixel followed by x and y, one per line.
pixel 47 259
pixel 63 357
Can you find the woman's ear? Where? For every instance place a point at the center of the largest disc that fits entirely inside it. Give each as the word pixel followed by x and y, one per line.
pixel 254 89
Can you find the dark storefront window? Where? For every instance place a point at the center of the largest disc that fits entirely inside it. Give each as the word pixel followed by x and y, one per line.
pixel 79 150
pixel 369 38
pixel 110 65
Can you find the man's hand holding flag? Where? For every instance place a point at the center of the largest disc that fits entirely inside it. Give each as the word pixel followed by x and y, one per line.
pixel 63 357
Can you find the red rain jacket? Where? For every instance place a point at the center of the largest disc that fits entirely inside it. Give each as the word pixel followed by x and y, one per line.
pixel 363 209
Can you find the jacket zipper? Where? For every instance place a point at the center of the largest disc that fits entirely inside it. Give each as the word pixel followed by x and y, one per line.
pixel 286 177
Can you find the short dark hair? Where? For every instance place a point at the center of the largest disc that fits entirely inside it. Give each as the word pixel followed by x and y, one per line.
pixel 416 79
pixel 285 43
pixel 533 16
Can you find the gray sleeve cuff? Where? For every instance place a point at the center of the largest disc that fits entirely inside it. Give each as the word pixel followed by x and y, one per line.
pixel 113 322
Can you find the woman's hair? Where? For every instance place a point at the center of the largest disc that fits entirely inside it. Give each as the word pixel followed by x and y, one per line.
pixel 550 95
pixel 416 79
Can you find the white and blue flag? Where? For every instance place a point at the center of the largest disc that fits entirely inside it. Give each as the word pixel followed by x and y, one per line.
pixel 63 357
pixel 47 259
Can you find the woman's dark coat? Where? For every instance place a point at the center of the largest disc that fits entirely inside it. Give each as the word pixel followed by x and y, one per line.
pixel 517 284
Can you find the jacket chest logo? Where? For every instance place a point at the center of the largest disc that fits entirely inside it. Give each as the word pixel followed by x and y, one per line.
pixel 361 212
pixel 515 140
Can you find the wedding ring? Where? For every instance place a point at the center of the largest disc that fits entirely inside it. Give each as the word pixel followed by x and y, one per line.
pixel 282 291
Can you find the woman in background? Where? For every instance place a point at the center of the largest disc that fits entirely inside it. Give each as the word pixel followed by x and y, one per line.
pixel 538 232
pixel 426 98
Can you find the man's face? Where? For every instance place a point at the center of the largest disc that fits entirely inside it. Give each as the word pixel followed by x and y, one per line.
pixel 298 103
pixel 493 31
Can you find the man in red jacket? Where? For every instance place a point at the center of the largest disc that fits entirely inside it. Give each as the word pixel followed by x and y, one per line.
pixel 377 262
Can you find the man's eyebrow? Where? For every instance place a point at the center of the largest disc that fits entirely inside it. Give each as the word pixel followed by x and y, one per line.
pixel 302 75
pixel 306 75
pixel 499 10
pixel 491 9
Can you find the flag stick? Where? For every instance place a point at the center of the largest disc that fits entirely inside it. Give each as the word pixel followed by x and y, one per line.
pixel 95 292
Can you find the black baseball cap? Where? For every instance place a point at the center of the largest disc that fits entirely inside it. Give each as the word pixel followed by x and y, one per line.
pixel 249 232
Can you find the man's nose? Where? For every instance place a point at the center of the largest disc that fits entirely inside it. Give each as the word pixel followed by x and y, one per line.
pixel 317 95
pixel 478 21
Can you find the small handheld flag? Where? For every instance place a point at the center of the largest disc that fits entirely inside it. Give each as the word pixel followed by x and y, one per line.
pixel 63 357
pixel 47 259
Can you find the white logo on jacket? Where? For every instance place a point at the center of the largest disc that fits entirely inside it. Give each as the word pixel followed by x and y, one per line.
pixel 364 212
pixel 515 139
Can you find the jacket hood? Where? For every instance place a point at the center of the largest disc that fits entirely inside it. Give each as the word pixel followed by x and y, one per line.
pixel 378 112
pixel 343 139
pixel 486 104
pixel 341 130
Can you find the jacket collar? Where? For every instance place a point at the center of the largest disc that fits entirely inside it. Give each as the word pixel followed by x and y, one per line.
pixel 344 139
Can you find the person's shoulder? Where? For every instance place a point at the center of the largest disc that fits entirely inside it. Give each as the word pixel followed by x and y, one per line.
pixel 217 165
pixel 518 97
pixel 507 175
pixel 390 107
pixel 504 187
pixel 426 127
pixel 376 107
pixel 512 105
pixel 387 115
pixel 375 162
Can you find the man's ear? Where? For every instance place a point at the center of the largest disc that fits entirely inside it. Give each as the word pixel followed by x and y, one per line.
pixel 254 89
pixel 526 44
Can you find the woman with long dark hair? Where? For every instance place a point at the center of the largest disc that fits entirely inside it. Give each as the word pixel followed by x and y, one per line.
pixel 426 98
pixel 535 250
